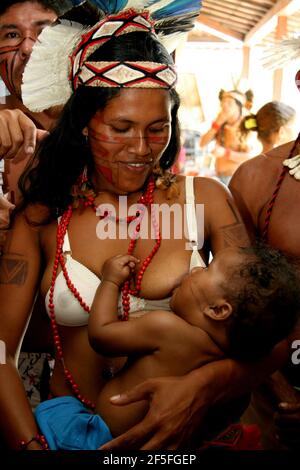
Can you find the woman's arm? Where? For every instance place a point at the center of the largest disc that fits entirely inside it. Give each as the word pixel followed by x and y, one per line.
pixel 19 276
pixel 211 134
pixel 223 224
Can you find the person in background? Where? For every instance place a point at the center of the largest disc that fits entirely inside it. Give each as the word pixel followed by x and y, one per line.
pixel 267 192
pixel 274 123
pixel 230 148
pixel 210 319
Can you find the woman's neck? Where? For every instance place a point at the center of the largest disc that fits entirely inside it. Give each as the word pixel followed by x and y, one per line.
pixel 102 187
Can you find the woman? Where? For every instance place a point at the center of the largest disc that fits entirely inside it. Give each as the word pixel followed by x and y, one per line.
pixel 274 124
pixel 112 140
pixel 231 148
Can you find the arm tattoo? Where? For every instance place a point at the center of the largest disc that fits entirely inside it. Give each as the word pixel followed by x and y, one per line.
pixel 234 234
pixel 13 270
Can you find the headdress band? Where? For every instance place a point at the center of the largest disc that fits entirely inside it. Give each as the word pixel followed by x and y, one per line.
pixel 95 73
pixel 126 75
pixel 236 96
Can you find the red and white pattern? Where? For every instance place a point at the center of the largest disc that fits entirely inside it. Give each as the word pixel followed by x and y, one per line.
pixel 140 74
pixel 113 25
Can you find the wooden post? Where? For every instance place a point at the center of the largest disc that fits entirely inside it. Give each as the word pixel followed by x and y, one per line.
pixel 246 62
pixel 281 31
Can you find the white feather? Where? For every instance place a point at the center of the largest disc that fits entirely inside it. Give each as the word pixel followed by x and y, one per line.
pixel 171 41
pixel 137 4
pixel 45 79
pixel 158 5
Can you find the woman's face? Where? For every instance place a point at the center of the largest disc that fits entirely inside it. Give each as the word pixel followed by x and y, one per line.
pixel 128 138
pixel 230 106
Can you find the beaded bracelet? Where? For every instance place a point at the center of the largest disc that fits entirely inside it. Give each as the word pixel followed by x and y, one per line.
pixel 22 445
pixel 227 153
pixel 215 126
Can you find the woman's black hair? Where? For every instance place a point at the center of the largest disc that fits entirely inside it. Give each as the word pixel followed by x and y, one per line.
pixel 6 4
pixel 62 156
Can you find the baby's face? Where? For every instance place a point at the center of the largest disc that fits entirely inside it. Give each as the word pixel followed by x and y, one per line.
pixel 202 287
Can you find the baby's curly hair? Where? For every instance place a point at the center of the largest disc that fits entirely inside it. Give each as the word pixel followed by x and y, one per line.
pixel 265 295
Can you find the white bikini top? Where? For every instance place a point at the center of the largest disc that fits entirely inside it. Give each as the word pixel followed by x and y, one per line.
pixel 68 311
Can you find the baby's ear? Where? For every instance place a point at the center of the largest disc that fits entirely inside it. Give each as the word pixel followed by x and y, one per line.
pixel 221 311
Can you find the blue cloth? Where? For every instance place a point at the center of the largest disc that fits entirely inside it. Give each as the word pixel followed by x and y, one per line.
pixel 68 425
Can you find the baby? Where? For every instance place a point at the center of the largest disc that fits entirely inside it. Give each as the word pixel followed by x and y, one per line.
pixel 241 306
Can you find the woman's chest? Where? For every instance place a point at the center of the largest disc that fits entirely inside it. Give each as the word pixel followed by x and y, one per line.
pixel 163 262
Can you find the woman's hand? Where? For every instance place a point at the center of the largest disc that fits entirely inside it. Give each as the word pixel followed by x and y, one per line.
pixel 287 422
pixel 287 418
pixel 176 410
pixel 17 131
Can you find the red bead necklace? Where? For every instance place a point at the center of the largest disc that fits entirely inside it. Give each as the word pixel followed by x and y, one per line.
pixel 146 200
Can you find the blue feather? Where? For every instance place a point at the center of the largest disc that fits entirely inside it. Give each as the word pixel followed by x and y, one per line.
pixel 176 8
pixel 110 6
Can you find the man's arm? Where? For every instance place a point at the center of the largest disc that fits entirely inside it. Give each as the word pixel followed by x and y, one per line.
pixel 18 134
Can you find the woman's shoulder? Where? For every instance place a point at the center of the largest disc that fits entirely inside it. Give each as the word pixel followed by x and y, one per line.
pixel 203 182
pixel 34 217
pixel 270 161
pixel 208 190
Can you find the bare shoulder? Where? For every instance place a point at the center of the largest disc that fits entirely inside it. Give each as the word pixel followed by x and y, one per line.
pixel 210 191
pixel 25 228
pixel 262 168
pixel 161 322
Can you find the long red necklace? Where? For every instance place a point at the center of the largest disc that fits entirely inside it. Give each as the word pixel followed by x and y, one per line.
pixel 146 200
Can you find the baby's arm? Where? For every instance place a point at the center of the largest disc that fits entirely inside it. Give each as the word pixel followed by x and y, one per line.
pixel 108 335
pixel 104 309
pixel 115 272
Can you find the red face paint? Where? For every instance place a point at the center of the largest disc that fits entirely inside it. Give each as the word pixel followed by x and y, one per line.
pixel 8 56
pixel 106 172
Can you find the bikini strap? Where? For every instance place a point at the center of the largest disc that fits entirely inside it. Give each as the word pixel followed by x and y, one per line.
pixel 191 212
pixel 191 219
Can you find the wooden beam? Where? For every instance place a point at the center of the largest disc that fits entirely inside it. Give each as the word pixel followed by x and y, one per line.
pixel 216 29
pixel 243 7
pixel 268 23
pixel 236 15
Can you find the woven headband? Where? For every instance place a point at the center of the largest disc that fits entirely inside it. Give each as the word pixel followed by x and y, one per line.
pixel 140 74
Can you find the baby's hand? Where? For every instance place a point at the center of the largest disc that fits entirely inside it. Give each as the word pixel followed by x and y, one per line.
pixel 118 268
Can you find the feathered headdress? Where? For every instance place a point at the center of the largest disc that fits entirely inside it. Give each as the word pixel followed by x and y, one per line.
pixel 48 79
pixel 62 6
